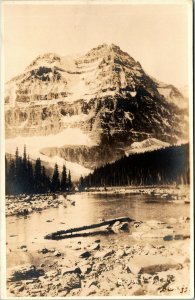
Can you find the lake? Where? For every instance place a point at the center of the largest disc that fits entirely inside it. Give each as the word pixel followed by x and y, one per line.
pixel 88 209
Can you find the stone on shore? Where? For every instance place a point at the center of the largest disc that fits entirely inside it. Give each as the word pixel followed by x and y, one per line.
pixel 75 270
pixel 151 264
pixel 104 254
pixel 24 272
pixel 71 281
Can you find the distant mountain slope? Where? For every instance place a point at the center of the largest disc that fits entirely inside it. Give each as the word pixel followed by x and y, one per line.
pixel 149 144
pixel 162 166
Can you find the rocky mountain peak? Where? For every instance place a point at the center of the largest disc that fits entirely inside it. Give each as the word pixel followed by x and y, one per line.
pixel 104 97
pixel 44 60
pixel 106 88
pixel 108 52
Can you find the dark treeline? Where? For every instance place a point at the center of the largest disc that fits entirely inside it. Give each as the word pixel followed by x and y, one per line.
pixel 164 166
pixel 22 177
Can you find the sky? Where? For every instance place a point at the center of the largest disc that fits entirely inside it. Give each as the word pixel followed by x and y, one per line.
pixel 156 35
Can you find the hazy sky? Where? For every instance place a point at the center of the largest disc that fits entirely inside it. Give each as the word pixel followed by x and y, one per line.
pixel 155 35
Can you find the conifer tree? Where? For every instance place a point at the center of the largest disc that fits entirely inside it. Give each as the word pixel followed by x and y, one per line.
pixel 63 179
pixel 24 158
pixel 55 182
pixel 81 184
pixel 45 181
pixel 30 176
pixel 37 176
pixel 69 181
pixel 11 178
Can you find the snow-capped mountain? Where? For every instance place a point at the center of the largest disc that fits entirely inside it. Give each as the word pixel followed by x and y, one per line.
pixel 172 94
pixel 149 144
pixel 105 94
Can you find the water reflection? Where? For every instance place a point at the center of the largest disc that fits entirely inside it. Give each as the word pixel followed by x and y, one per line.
pixel 88 209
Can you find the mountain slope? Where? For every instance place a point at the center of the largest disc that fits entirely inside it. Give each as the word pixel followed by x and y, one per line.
pixel 158 167
pixel 105 93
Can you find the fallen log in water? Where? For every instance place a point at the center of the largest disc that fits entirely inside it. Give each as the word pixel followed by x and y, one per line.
pixel 63 233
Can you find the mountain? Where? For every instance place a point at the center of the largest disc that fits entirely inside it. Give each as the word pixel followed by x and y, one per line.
pixel 105 95
pixel 172 94
pixel 149 144
pixel 158 167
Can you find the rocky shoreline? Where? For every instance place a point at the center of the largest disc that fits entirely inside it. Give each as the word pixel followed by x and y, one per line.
pixel 24 205
pixel 155 260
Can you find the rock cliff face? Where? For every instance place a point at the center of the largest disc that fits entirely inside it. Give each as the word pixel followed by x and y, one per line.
pixel 89 157
pixel 105 93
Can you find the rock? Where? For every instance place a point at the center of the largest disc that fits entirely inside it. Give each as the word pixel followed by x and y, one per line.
pixel 104 254
pixel 76 270
pixel 95 246
pixel 52 273
pixel 85 254
pixel 168 238
pixel 137 291
pixel 24 272
pixel 44 251
pixel 124 226
pixel 42 265
pixel 24 250
pixel 151 264
pixel 97 241
pixel 71 281
pixel 88 291
pixel 159 246
pixel 86 269
pixel 184 220
pixel 92 282
pixel 119 254
pixel 57 253
pixel 92 291
pixel 23 247
pixel 179 237
pixel 119 282
pixel 77 248
pixel 118 226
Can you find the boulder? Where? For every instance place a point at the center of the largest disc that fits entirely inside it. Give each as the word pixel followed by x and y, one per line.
pixel 124 226
pixel 95 246
pixel 104 254
pixel 76 270
pixel 43 250
pixel 57 253
pixel 118 226
pixel 24 272
pixel 86 269
pixel 23 247
pixel 137 291
pixel 52 273
pixel 92 282
pixel 85 254
pixel 120 253
pixel 151 264
pixel 71 281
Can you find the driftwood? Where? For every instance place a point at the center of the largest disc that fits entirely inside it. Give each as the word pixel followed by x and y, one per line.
pixel 61 234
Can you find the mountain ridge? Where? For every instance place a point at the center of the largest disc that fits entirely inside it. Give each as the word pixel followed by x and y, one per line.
pixel 104 93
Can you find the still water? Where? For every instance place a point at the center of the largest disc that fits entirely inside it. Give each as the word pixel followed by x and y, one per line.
pixel 88 209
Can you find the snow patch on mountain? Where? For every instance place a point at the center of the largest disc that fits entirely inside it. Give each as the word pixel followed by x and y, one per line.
pixel 149 144
pixel 75 169
pixel 70 136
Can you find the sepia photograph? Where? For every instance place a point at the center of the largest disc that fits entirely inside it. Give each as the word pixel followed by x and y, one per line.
pixel 97 149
